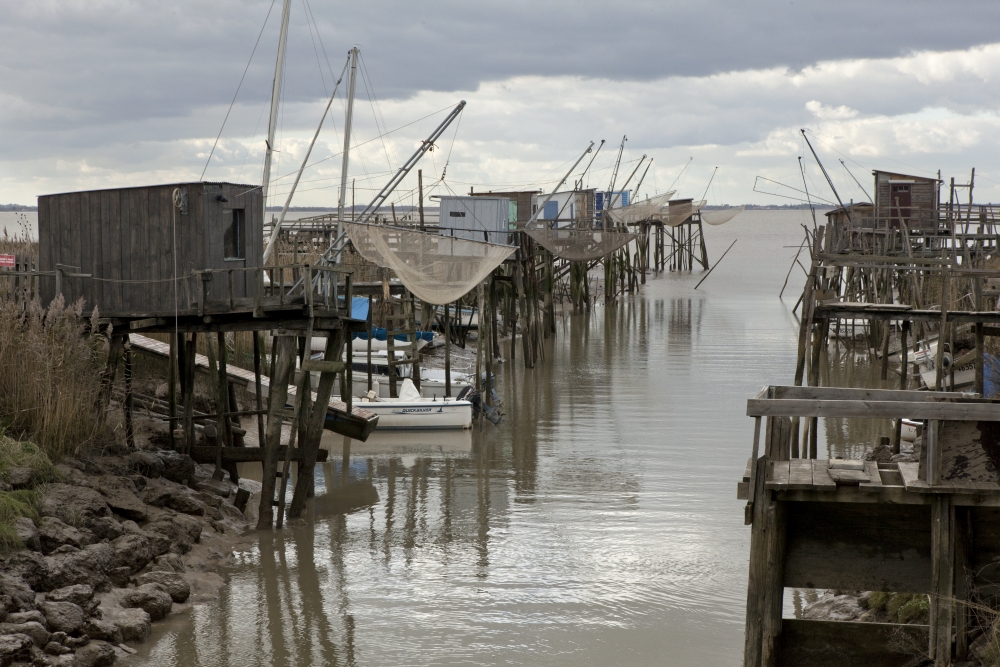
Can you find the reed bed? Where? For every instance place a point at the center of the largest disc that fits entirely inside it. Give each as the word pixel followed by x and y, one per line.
pixel 50 385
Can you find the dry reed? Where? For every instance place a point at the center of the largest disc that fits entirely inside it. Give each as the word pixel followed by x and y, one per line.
pixel 50 385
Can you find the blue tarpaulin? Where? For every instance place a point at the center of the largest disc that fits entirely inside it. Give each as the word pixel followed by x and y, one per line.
pixel 379 334
pixel 359 308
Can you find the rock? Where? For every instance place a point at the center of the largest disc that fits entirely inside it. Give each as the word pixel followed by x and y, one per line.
pixel 105 527
pixel 133 624
pixel 22 597
pixel 208 499
pixel 98 628
pixel 87 566
pixel 178 531
pixel 59 637
pixel 73 505
pixel 172 582
pixel 151 598
pixel 221 488
pixel 27 531
pixel 168 563
pixel 53 533
pixel 81 595
pixel 73 476
pixel 162 494
pixel 145 464
pixel 132 551
pixel 55 648
pixel 121 496
pixel 22 477
pixel 120 576
pixel 33 616
pixel 39 635
pixel 139 481
pixel 176 467
pixel 831 607
pixel 28 567
pixel 106 465
pixel 14 647
pixel 881 453
pixel 76 464
pixel 63 616
pixel 96 654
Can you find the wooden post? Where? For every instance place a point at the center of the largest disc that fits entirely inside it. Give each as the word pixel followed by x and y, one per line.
pixel 222 407
pixel 172 388
pixel 128 407
pixel 116 347
pixel 369 342
pixel 942 330
pixel 980 347
pixel 903 367
pixel 284 363
pixel 420 196
pixel 447 351
pixel 189 363
pixel 257 386
pixel 311 425
pixel 757 585
pixel 942 579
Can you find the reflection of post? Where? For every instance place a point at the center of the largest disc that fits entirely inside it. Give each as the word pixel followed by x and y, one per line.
pixel 483 488
pixel 345 465
pixel 447 498
pixel 390 504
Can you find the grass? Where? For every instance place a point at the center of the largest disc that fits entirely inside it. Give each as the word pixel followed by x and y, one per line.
pixel 50 385
pixel 13 506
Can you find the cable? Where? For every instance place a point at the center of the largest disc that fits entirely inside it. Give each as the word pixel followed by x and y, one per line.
pixel 245 69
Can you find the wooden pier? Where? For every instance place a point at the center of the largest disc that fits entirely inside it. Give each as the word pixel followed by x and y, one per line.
pixel 927 527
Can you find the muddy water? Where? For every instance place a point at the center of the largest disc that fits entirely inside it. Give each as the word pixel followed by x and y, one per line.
pixel 598 525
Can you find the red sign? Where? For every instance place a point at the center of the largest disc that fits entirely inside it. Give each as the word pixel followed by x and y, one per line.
pixel 6 261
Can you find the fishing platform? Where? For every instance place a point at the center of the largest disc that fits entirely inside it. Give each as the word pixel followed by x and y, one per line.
pixel 927 527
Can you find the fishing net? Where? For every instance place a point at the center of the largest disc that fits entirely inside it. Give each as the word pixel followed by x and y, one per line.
pixel 678 212
pixel 579 245
pixel 639 211
pixel 721 217
pixel 437 269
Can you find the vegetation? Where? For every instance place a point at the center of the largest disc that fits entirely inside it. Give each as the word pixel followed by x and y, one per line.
pixel 50 387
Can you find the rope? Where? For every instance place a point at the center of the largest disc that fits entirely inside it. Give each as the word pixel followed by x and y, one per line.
pixel 245 69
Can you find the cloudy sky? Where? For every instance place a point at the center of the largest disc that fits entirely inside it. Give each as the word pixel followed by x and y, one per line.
pixel 105 93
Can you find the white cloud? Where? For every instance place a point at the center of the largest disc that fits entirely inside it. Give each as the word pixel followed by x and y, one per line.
pixel 830 113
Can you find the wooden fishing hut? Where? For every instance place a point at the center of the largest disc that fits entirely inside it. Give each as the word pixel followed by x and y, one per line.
pixel 185 260
pixel 927 527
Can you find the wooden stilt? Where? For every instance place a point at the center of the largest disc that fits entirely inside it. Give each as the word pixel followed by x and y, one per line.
pixel 283 362
pixel 311 424
pixel 172 389
pixel 257 386
pixel 128 406
pixel 447 351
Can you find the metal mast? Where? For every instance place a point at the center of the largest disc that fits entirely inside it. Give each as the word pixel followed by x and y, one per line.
pixel 275 99
pixel 347 151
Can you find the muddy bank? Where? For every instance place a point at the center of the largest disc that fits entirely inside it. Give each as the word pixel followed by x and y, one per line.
pixel 120 543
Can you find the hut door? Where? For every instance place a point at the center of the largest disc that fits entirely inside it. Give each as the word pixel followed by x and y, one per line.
pixel 900 203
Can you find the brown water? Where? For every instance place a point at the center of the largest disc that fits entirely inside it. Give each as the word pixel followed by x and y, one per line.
pixel 598 525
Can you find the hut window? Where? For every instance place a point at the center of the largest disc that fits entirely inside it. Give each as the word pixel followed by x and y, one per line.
pixel 235 238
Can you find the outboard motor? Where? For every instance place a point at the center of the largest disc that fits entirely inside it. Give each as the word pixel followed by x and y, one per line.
pixel 472 396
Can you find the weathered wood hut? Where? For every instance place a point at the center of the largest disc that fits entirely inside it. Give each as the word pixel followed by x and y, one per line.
pixel 142 246
pixel 902 198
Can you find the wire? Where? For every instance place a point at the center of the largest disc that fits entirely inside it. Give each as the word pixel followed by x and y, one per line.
pixel 245 69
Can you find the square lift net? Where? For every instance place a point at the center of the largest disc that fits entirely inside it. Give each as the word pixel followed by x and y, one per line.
pixel 436 269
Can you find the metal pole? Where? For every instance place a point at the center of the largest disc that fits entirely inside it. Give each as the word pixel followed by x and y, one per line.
pixel 347 151
pixel 275 98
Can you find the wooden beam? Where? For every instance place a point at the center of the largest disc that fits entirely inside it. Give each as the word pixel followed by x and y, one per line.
pixel 873 409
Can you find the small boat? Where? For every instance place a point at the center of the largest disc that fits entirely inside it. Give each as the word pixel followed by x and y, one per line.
pixel 925 359
pixel 412 412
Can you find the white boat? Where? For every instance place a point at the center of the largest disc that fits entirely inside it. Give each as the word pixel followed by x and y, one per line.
pixel 412 412
pixel 925 359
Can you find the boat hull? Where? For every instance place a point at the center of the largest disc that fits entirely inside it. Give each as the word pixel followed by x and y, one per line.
pixel 420 415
